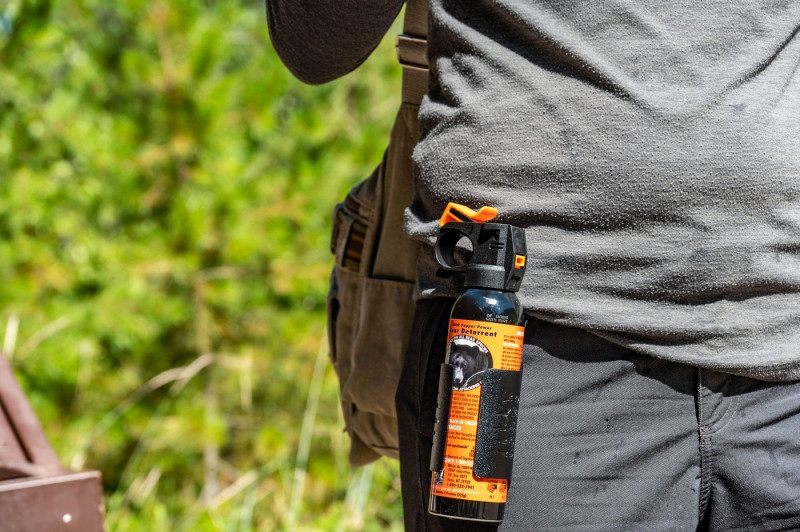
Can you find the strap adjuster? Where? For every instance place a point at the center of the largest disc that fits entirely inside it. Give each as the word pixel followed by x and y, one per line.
pixel 412 52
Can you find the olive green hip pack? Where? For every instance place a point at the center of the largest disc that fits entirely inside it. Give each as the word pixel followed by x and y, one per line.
pixel 370 304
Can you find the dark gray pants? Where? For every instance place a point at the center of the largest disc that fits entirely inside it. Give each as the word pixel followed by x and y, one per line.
pixel 611 440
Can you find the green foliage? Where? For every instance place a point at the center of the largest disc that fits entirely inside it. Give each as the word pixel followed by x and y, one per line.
pixel 165 197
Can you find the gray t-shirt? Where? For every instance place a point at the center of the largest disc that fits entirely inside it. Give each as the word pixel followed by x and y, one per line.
pixel 650 149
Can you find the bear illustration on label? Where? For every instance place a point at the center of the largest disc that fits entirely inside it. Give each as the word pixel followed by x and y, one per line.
pixel 469 358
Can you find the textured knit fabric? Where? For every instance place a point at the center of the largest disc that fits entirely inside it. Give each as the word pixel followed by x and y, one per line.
pixel 650 149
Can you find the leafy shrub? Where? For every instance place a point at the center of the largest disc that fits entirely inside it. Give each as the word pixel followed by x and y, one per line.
pixel 165 197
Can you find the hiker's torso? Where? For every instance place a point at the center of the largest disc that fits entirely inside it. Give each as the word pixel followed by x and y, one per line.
pixel 650 149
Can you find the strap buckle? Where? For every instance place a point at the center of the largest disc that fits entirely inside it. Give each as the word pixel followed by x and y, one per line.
pixel 412 52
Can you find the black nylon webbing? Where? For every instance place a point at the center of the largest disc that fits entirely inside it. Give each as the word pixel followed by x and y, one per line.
pixel 442 415
pixel 497 423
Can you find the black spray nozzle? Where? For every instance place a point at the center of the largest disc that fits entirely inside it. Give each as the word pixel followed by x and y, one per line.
pixel 498 254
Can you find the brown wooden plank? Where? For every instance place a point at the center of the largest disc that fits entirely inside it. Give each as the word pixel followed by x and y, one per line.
pixel 65 503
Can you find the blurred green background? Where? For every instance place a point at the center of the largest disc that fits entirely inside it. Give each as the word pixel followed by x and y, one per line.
pixel 165 197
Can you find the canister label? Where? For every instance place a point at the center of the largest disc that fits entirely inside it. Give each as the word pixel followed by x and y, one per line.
pixel 472 348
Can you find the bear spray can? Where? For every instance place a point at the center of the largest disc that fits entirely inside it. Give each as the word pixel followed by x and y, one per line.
pixel 481 377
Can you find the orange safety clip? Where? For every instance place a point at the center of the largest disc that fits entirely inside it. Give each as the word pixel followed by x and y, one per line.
pixel 455 212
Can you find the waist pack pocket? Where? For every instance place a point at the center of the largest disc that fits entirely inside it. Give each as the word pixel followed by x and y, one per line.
pixel 368 324
pixel 369 321
pixel 369 344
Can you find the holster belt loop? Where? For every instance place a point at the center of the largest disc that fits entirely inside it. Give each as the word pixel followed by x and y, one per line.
pixel 497 423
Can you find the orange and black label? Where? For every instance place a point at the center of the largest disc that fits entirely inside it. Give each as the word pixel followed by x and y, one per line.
pixel 472 348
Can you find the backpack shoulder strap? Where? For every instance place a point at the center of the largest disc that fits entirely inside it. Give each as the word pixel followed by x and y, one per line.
pixel 416 18
pixel 412 47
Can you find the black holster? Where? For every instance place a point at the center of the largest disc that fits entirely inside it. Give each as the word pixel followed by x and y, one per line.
pixel 497 422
